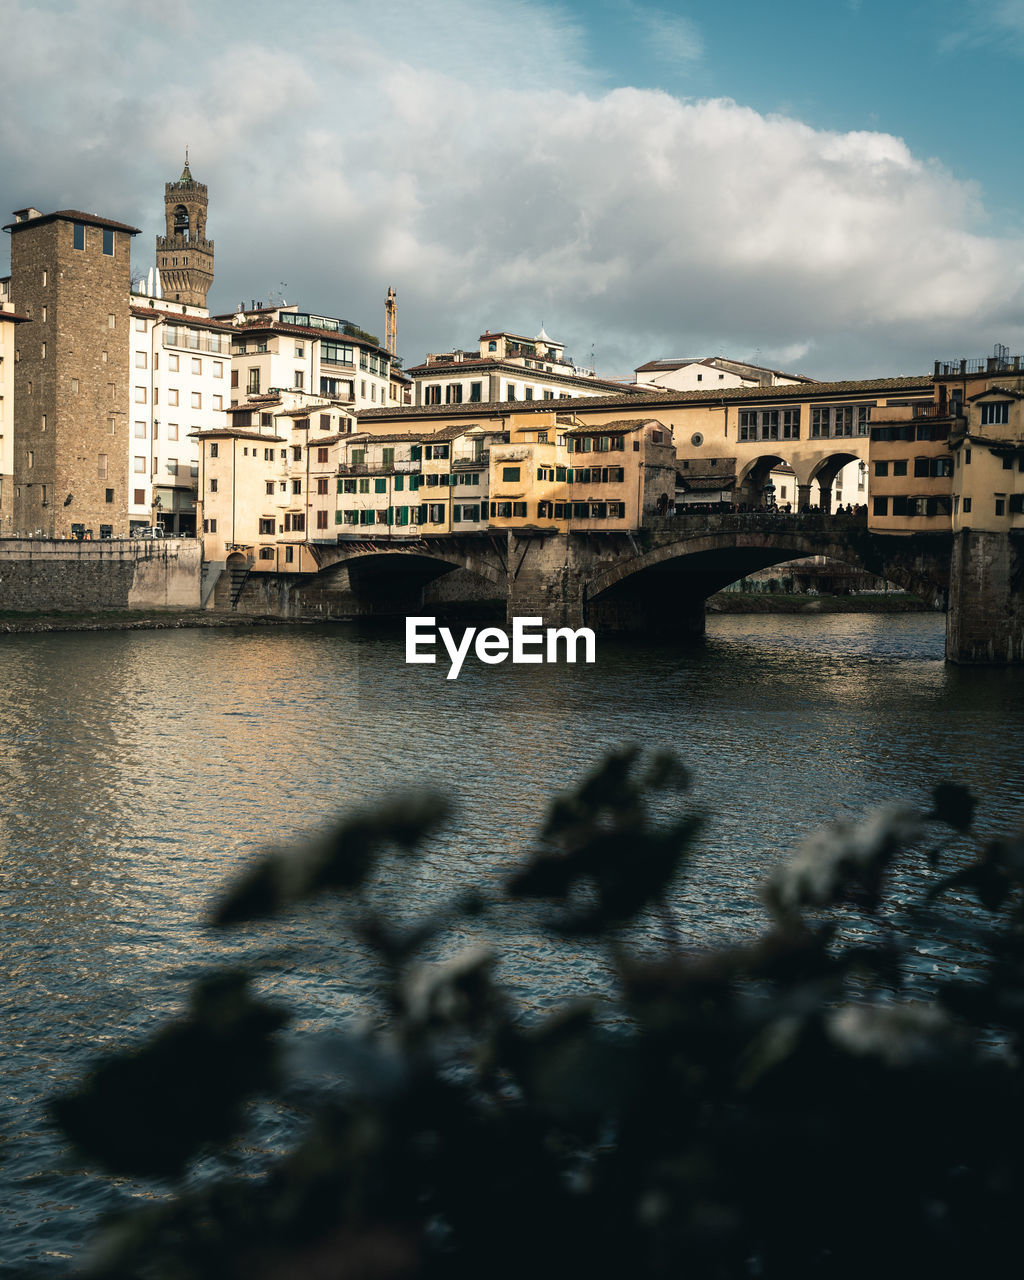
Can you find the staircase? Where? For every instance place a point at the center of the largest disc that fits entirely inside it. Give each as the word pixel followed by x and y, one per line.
pixel 229 587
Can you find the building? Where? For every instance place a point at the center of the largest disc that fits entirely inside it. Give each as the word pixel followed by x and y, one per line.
pixel 705 373
pixel 280 347
pixel 180 385
pixel 267 479
pixel 506 367
pixel 70 278
pixel 9 320
pixel 986 398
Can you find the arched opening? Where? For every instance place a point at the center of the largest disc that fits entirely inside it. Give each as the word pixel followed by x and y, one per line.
pixel 824 476
pixel 182 223
pixel 755 487
pixel 398 584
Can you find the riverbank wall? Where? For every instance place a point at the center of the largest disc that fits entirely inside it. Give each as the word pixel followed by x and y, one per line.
pixel 60 575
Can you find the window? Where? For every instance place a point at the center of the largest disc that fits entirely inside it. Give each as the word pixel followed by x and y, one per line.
pixel 253 384
pixel 140 430
pixel 172 396
pixel 300 350
pixel 218 403
pixel 110 495
pixel 214 449
pixel 1000 504
pixel 364 486
pixel 995 412
pixel 380 485
pixel 880 506
pixel 31 458
pixel 172 466
pixel 299 376
pixel 511 391
pixel 322 454
pixel 266 553
pixel 139 498
pixel 172 431
pixel 294 523
pixel 213 484
pixel 321 519
pixel 270 487
pixel 453 393
pixel 321 484
pixel 193 469
pixel 108 242
pixel 218 369
pixel 967 506
pixel 268 524
pixel 881 469
pixel 899 467
pixel 296 486
pixel 172 362
pixel 140 465
pixel 111 321
pixel 140 356
pixel 197 399
pixel 78 235
pixel 476 391
pixel 197 364
pixel 140 395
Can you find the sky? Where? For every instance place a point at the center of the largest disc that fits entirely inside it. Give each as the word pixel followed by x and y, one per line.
pixel 830 188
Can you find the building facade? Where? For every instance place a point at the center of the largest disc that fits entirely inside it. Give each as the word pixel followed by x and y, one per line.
pixel 507 367
pixel 184 255
pixel 282 348
pixel 70 276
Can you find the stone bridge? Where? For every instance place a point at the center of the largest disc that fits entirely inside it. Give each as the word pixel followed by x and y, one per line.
pixel 654 581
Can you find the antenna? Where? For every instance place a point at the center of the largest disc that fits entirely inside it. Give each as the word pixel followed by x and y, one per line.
pixel 391 322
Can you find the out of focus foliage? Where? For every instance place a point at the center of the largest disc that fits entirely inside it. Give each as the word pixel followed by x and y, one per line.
pixel 780 1110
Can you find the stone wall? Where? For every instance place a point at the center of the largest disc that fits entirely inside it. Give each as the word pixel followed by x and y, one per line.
pixel 985 623
pixel 40 574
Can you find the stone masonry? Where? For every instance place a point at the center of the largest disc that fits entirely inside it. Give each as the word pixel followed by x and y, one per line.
pixel 71 373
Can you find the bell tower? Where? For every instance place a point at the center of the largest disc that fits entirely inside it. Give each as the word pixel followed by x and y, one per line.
pixel 184 256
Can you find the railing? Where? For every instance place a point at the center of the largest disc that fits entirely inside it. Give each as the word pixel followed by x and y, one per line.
pixel 190 340
pixel 983 364
pixel 472 460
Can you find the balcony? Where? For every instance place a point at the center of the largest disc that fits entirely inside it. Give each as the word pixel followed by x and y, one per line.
pixel 479 459
pixel 190 340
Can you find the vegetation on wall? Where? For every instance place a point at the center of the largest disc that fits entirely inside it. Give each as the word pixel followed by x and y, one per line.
pixel 780 1109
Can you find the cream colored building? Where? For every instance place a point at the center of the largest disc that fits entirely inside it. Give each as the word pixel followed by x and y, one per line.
pixel 708 373
pixel 179 386
pixel 280 348
pixel 506 367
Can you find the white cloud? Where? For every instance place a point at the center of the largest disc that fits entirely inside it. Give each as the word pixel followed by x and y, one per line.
pixel 472 162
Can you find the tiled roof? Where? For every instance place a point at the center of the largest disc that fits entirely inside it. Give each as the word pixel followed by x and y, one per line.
pixel 620 424
pixel 234 433
pixel 669 399
pixel 707 484
pixel 72 215
pixel 195 322
pixel 716 362
pixel 425 371
pixel 305 331
pixel 1000 391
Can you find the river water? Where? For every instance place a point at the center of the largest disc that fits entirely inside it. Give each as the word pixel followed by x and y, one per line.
pixel 141 769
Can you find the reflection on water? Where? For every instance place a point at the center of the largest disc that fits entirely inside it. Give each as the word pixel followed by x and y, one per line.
pixel 142 768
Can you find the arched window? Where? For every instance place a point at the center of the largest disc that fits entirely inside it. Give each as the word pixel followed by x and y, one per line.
pixel 181 221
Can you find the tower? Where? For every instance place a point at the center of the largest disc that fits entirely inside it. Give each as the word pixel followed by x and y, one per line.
pixel 184 256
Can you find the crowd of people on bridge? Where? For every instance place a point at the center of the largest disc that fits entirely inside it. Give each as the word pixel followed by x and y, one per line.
pixel 666 507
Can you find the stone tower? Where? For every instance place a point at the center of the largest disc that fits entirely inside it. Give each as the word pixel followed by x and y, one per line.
pixel 184 256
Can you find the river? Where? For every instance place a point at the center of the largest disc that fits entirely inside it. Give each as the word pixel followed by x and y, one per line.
pixel 141 769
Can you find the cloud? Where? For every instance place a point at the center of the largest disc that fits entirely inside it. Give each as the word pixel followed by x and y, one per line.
pixel 474 163
pixel 673 38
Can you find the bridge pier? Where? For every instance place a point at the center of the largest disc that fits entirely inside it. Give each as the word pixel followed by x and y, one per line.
pixel 985 622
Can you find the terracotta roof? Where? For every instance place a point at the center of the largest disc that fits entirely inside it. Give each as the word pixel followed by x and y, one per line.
pixel 716 362
pixel 234 433
pixel 620 424
pixel 197 322
pixel 305 331
pixel 667 399
pixel 998 391
pixel 706 484
pixel 493 362
pixel 72 215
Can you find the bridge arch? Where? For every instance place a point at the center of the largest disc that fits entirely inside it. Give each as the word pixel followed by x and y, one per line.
pixel 666 583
